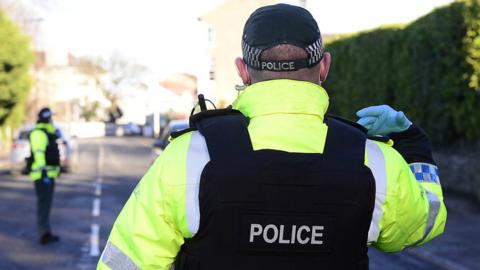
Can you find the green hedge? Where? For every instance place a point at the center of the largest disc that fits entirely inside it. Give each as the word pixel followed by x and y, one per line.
pixel 429 69
pixel 16 58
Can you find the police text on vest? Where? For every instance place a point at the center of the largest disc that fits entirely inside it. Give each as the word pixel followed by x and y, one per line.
pixel 301 234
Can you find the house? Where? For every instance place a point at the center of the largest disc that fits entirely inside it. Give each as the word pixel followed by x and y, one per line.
pixel 59 84
pixel 225 27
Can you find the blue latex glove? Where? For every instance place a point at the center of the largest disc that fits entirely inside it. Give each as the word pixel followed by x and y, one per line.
pixel 45 178
pixel 47 181
pixel 383 120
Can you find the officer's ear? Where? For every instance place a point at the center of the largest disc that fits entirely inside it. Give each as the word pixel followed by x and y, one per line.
pixel 242 70
pixel 325 66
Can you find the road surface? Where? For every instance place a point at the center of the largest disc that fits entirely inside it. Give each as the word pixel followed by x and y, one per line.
pixel 87 202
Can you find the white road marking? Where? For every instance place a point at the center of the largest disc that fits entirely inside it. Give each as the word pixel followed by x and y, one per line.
pixel 96 207
pixel 95 227
pixel 94 250
pixel 100 161
pixel 98 189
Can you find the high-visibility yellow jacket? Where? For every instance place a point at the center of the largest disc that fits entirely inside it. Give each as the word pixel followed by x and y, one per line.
pixel 284 115
pixel 38 144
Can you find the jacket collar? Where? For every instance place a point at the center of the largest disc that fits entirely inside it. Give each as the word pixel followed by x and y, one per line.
pixel 49 127
pixel 282 97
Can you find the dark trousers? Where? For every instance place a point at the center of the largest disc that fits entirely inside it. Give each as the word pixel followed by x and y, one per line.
pixel 44 191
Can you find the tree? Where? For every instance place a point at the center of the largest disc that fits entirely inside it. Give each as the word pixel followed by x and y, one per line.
pixel 16 58
pixel 89 111
pixel 27 14
pixel 111 75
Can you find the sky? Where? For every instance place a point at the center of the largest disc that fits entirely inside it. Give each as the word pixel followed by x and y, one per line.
pixel 161 34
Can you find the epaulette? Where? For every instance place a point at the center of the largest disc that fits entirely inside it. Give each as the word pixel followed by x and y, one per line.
pixel 179 133
pixel 204 114
pixel 379 138
pixel 348 122
pixel 196 118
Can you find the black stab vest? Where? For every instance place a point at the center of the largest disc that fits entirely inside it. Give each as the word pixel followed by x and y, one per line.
pixel 52 152
pixel 276 210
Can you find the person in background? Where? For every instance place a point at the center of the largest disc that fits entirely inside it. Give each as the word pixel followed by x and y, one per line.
pixel 44 169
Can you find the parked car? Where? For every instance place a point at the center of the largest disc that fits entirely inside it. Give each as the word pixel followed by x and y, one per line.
pixel 21 151
pixel 132 129
pixel 68 153
pixel 174 125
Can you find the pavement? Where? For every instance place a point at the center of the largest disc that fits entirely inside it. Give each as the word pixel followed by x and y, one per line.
pixel 88 200
pixel 4 161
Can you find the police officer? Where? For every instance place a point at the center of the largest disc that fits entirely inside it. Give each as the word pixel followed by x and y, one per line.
pixel 274 182
pixel 44 169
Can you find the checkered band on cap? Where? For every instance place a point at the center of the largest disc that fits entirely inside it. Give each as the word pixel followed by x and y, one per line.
pixel 315 52
pixel 46 114
pixel 251 55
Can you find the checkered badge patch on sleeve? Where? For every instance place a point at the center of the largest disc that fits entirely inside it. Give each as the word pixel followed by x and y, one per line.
pixel 425 172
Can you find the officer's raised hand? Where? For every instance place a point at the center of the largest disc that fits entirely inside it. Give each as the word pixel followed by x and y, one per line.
pixel 383 120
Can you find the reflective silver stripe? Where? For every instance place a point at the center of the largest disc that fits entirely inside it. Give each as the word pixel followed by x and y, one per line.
pixel 376 163
pixel 197 158
pixel 39 151
pixel 48 168
pixel 38 169
pixel 116 259
pixel 433 209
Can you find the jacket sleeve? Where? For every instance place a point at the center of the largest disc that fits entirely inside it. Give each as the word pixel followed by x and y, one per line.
pixel 38 143
pixel 409 208
pixel 414 145
pixel 147 234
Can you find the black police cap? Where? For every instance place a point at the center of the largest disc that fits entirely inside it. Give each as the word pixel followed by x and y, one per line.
pixel 273 25
pixel 45 114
